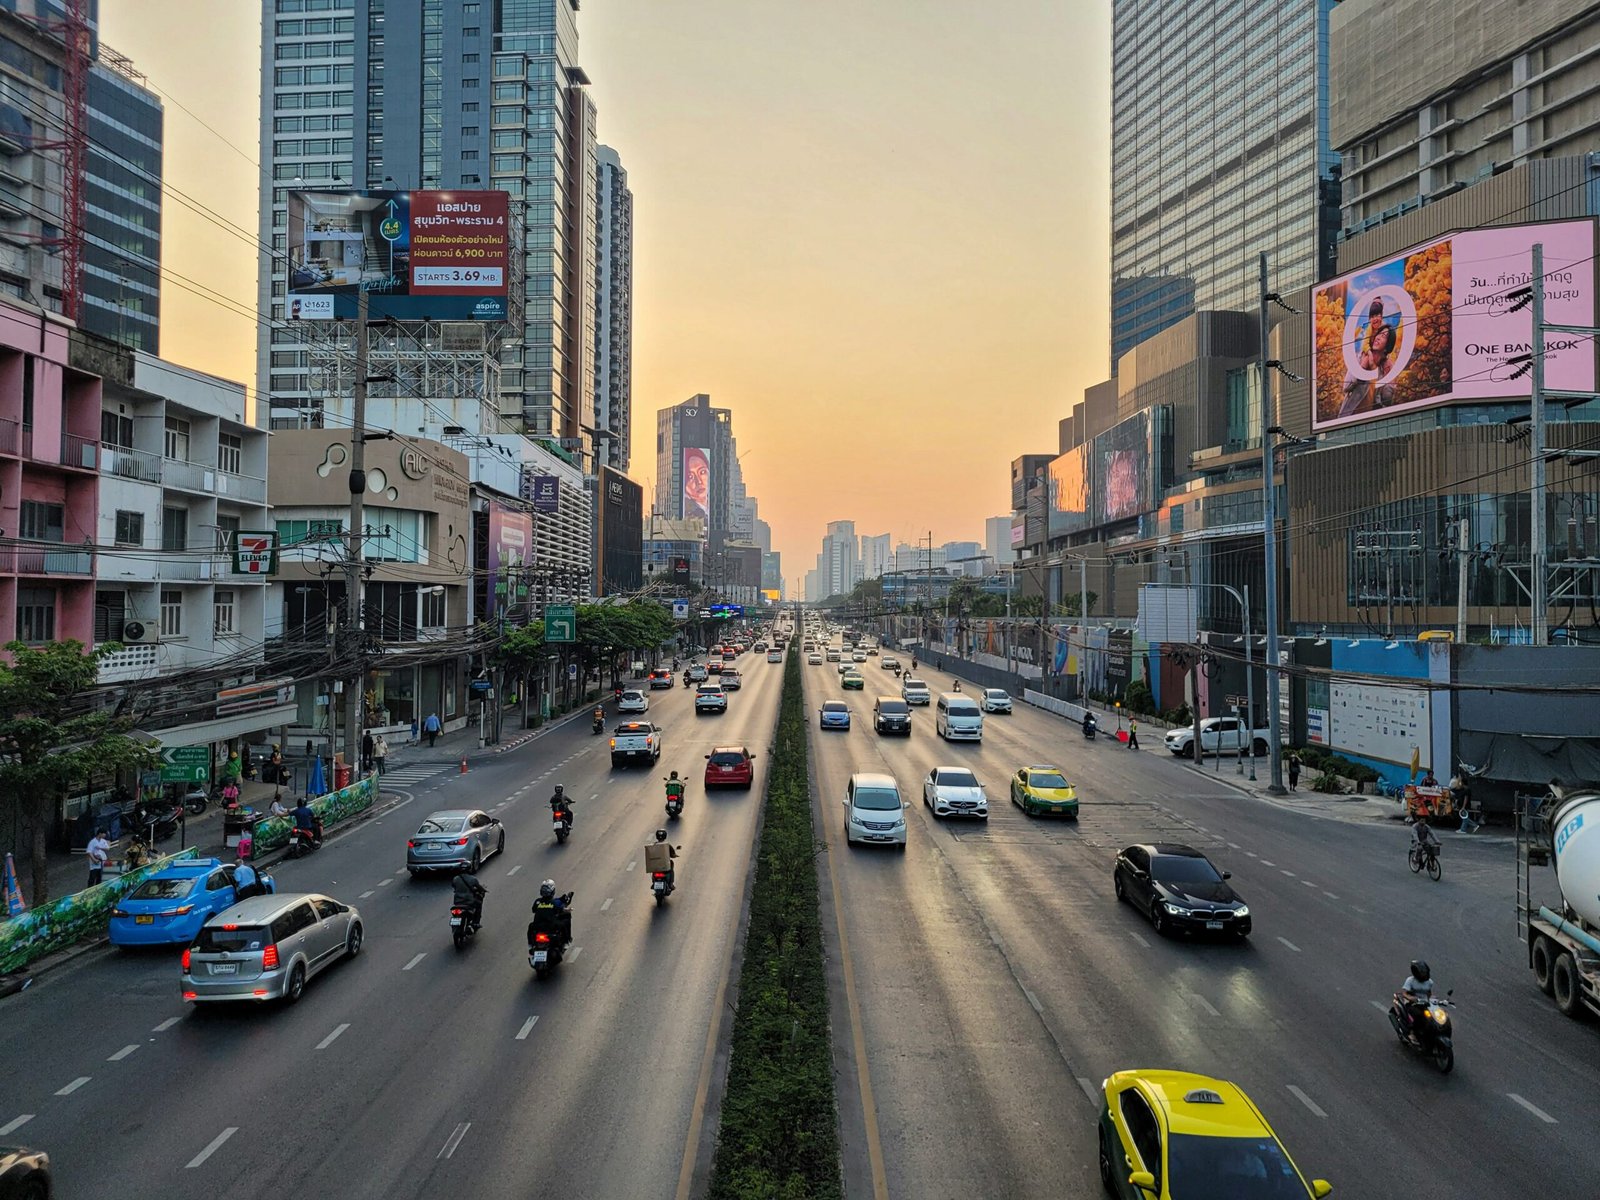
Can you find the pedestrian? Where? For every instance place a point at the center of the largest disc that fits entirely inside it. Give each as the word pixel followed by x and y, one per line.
pixel 431 728
pixel 246 882
pixel 1133 735
pixel 1294 772
pixel 278 772
pixel 366 752
pixel 1461 796
pixel 380 751
pixel 99 848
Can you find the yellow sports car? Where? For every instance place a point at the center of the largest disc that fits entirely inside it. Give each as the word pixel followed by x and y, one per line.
pixel 1166 1134
pixel 1039 790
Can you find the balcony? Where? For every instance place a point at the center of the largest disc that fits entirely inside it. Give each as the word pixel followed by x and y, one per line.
pixel 41 559
pixel 10 437
pixel 128 463
pixel 176 566
pixel 80 453
pixel 246 489
pixel 195 477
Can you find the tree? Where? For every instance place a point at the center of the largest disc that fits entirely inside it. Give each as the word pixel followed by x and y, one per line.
pixel 51 736
pixel 1070 603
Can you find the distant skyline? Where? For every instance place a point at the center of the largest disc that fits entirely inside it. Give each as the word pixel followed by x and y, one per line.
pixel 892 264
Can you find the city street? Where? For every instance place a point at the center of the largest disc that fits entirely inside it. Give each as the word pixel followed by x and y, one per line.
pixel 415 1069
pixel 995 981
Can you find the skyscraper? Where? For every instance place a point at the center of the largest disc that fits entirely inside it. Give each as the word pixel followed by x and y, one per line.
pixel 613 377
pixel 1219 150
pixel 875 554
pixel 697 467
pixel 426 94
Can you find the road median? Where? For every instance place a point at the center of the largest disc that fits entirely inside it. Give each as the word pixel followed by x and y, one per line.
pixel 778 1134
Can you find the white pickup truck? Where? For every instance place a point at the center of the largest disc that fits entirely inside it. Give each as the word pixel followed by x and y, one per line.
pixel 635 741
pixel 1219 735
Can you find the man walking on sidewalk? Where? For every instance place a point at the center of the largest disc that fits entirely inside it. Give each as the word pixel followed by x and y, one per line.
pixel 380 751
pixel 99 848
pixel 431 728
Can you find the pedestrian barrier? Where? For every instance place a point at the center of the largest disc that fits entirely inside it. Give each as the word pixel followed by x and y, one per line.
pixel 57 924
pixel 336 806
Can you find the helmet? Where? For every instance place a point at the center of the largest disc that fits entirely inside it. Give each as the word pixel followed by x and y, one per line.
pixel 1419 970
pixel 674 775
pixel 560 791
pixel 661 835
pixel 547 889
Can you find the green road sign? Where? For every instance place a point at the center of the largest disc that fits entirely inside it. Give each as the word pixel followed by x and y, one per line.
pixel 185 764
pixel 560 623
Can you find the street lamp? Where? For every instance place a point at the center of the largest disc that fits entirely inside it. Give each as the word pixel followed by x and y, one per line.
pixel 1249 682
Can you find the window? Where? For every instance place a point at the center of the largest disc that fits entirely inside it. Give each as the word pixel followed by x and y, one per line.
pixel 469 106
pixel 227 532
pixel 230 453
pixel 130 528
pixel 41 521
pixel 222 611
pixel 1146 1134
pixel 433 609
pixel 36 615
pixel 174 528
pixel 468 59
pixel 27 391
pixel 177 444
pixel 171 612
pixel 110 615
pixel 116 430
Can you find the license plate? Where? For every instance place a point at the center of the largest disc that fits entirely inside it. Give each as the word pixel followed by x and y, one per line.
pixel 540 956
pixel 726 770
pixel 1213 924
pixel 224 968
pixel 660 887
pixel 556 827
pixel 144 919
pixel 455 920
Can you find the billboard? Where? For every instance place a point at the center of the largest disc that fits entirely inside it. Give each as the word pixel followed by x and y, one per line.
pixel 442 255
pixel 510 545
pixel 697 483
pixel 1071 480
pixel 1434 324
pixel 542 491
pixel 1121 465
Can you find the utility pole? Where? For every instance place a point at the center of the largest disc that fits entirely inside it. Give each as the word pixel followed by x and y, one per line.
pixel 1538 585
pixel 1083 624
pixel 352 567
pixel 1269 527
pixel 1463 557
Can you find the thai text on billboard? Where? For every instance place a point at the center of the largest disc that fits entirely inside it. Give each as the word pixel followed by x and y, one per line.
pixel 542 491
pixel 697 483
pixel 1442 322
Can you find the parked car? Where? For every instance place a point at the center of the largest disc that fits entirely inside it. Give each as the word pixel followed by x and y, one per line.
pixel 995 700
pixel 169 907
pixel 955 792
pixel 633 700
pixel 873 810
pixel 1179 889
pixel 709 697
pixel 834 714
pixel 730 766
pixel 267 947
pixel 454 838
pixel 1219 735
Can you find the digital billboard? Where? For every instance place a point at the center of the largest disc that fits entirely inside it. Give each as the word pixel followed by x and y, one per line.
pixel 510 544
pixel 1434 324
pixel 1071 491
pixel 1121 464
pixel 697 483
pixel 417 255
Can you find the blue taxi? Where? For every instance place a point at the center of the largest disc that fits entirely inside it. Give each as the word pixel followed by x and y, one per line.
pixel 169 907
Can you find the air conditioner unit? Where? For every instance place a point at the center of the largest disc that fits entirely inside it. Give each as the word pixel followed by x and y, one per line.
pixel 136 633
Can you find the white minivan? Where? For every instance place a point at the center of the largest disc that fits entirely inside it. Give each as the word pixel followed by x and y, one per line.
pixel 873 810
pixel 958 718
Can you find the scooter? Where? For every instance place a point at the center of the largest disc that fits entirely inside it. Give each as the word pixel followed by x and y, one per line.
pixel 302 842
pixel 547 949
pixel 1431 1035
pixel 151 825
pixel 599 725
pixel 661 886
pixel 561 819
pixel 1089 729
pixel 465 920
pixel 675 804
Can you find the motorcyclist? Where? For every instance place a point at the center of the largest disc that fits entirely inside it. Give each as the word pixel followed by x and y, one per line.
pixel 1088 724
pixel 469 894
pixel 599 715
pixel 675 787
pixel 551 913
pixel 306 818
pixel 956 686
pixel 1415 993
pixel 658 856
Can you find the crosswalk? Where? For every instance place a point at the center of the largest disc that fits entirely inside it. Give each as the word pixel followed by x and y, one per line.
pixel 416 773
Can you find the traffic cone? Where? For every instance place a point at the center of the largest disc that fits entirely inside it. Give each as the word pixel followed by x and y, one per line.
pixel 463 764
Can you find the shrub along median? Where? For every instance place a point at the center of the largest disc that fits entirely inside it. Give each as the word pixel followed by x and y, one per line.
pixel 779 1129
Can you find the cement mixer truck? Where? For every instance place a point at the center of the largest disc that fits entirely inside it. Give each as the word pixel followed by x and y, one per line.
pixel 1563 939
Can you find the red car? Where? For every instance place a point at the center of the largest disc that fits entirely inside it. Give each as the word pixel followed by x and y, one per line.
pixel 730 766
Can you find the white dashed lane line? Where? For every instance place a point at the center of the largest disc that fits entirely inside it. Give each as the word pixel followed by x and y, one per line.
pixel 1533 1108
pixel 1379 1005
pixel 365 894
pixel 572 955
pixel 1284 871
pixel 12 1126
pixel 415 961
pixel 329 1040
pixel 73 1086
pixel 1330 895
pixel 1265 863
pixel 123 1053
pixel 633 864
pixel 1139 938
pixel 1088 1089
pixel 607 904
pixel 513 870
pixel 527 1028
pixel 214 1145
pixel 1205 1004
pixel 166 1025
pixel 1290 944
pixel 385 882
pixel 1307 1101
pixel 454 1140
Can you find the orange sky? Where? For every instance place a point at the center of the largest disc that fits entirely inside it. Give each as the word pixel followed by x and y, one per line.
pixel 876 231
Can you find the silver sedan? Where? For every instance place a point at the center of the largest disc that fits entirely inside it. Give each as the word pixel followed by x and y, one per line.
pixel 454 839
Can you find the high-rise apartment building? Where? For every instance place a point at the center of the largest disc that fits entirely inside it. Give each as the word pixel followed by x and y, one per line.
pixel 1219 150
pixel 840 559
pixel 613 376
pixel 442 94
pixel 875 554
pixel 32 118
pixel 121 263
pixel 697 467
pixel 997 539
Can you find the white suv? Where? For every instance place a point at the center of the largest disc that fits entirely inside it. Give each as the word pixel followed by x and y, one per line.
pixel 633 701
pixel 914 691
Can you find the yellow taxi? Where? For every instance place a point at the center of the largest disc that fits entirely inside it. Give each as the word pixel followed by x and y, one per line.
pixel 1040 790
pixel 1174 1135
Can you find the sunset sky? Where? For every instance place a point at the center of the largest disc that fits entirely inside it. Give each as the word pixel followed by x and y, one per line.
pixel 876 231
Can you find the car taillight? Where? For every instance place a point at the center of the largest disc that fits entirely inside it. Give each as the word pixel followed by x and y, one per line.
pixel 269 958
pixel 179 912
pixel 186 958
pixel 613 743
pixel 541 938
pixel 461 841
pixel 230 927
pixel 410 844
pixel 189 995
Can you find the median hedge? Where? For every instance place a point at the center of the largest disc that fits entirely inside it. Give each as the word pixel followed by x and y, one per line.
pixel 779 1130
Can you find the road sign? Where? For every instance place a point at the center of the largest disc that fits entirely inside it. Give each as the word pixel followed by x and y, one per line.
pixel 481 685
pixel 185 764
pixel 572 670
pixel 680 610
pixel 560 623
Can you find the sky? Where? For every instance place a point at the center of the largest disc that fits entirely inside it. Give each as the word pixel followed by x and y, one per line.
pixel 878 232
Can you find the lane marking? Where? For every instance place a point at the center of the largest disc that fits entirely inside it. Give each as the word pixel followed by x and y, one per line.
pixel 1379 1005
pixel 11 1127
pixel 1290 944
pixel 1033 1002
pixel 216 1144
pixel 1251 853
pixel 418 959
pixel 594 795
pixel 1205 1004
pixel 607 904
pixel 73 1086
pixel 633 864
pixel 1533 1108
pixel 166 1025
pixel 123 1053
pixel 572 955
pixel 1139 938
pixel 454 1140
pixel 1330 895
pixel 365 894
pixel 513 870
pixel 1316 1109
pixel 1284 871
pixel 329 1040
pixel 385 882
pixel 527 1028
pixel 1088 1089
pixel 1233 845
pixel 400 872
pixel 1308 883
pixel 1265 863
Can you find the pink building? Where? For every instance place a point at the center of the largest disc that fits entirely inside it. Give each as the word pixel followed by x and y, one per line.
pixel 49 481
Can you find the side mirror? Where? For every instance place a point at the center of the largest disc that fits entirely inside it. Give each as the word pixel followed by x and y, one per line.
pixel 1321 1188
pixel 1227 874
pixel 752 758
pixel 708 758
pixel 1144 1181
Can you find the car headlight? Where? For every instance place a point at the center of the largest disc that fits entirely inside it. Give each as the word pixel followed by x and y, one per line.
pixel 1176 910
pixel 1242 911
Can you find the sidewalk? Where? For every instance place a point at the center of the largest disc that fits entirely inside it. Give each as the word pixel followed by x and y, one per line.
pixel 463 743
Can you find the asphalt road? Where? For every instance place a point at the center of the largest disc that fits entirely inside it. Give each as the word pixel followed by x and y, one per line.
pixel 994 981
pixel 414 1069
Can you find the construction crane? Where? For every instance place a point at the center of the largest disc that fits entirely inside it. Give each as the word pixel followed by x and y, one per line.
pixel 72 30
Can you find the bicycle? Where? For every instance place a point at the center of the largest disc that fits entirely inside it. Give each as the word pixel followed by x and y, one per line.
pixel 1420 857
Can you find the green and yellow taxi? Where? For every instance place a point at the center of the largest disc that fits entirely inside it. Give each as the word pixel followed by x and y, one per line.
pixel 1038 791
pixel 1169 1135
pixel 851 681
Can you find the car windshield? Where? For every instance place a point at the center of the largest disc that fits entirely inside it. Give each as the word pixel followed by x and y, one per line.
pixel 633 695
pixel 709 689
pixel 163 889
pixel 892 707
pixel 1181 868
pixel 1046 779
pixel 443 825
pixel 878 799
pixel 1222 1168
pixel 916 685
pixel 214 939
pixel 730 758
pixel 835 706
pixel 997 694
pixel 964 779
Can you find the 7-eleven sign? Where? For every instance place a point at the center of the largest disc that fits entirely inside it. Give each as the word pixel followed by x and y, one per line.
pixel 255 553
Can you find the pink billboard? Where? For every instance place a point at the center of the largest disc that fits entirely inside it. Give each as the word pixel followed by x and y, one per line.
pixel 697 483
pixel 1435 323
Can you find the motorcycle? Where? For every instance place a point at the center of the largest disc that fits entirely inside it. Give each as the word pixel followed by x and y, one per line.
pixel 302 842
pixel 561 819
pixel 1431 1034
pixel 546 948
pixel 1089 729
pixel 675 804
pixel 197 800
pixel 599 725
pixel 465 920
pixel 661 886
pixel 152 825
pixel 896 670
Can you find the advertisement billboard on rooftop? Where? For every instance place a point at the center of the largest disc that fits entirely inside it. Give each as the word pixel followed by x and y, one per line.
pixel 1446 321
pixel 418 255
